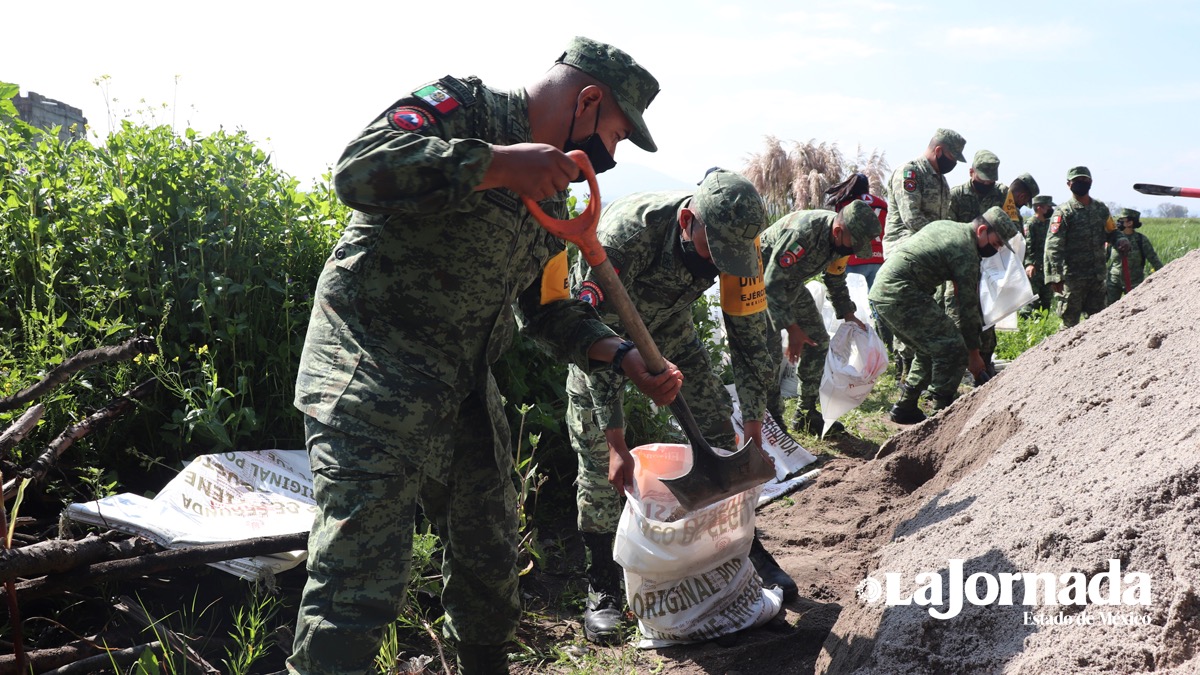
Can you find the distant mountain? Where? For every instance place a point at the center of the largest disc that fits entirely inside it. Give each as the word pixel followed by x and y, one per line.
pixel 628 178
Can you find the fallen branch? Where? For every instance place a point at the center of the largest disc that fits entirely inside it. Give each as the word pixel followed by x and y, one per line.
pixel 81 361
pixel 41 660
pixel 102 662
pixel 67 438
pixel 157 562
pixel 61 555
pixel 17 431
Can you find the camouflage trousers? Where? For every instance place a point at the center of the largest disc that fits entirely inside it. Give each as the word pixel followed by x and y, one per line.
pixel 811 367
pixel 950 303
pixel 1081 295
pixel 599 505
pixel 1042 295
pixel 360 546
pixel 940 353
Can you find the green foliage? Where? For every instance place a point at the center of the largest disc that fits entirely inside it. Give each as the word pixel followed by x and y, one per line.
pixel 252 633
pixel 1172 237
pixel 197 240
pixel 1032 329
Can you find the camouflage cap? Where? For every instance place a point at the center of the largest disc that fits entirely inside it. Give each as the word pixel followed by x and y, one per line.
pixel 632 85
pixel 1130 214
pixel 733 215
pixel 860 219
pixel 1078 171
pixel 1030 184
pixel 1043 200
pixel 999 221
pixel 986 165
pixel 952 141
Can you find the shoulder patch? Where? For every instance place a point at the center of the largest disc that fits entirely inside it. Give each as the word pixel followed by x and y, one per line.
pixel 591 293
pixel 743 296
pixel 458 89
pixel 909 174
pixel 409 118
pixel 791 257
pixel 436 97
pixel 910 185
pixel 1056 223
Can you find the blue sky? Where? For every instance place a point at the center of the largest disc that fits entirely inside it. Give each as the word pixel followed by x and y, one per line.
pixel 1045 85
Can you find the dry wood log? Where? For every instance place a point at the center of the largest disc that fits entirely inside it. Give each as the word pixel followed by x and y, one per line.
pixel 67 438
pixel 17 431
pixel 157 562
pixel 120 657
pixel 53 657
pixel 60 555
pixel 85 359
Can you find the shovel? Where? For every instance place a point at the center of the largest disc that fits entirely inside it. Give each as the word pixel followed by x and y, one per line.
pixel 1166 191
pixel 713 476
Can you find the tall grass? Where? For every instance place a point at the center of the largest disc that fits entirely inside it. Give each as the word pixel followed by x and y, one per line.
pixel 1172 237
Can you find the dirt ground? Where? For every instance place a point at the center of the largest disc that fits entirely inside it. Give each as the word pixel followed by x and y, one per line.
pixel 1083 450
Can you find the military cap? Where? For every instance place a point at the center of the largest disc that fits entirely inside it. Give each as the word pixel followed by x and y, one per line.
pixel 860 219
pixel 952 142
pixel 733 215
pixel 1043 200
pixel 986 165
pixel 1130 214
pixel 1030 184
pixel 1078 171
pixel 999 221
pixel 631 84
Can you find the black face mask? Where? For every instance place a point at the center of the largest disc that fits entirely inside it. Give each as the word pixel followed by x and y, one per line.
pixel 593 147
pixel 843 250
pixel 987 251
pixel 695 263
pixel 946 164
pixel 1080 189
pixel 980 188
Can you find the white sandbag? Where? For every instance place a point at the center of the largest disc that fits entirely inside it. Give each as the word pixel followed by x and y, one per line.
pixel 855 361
pixel 688 576
pixel 1003 286
pixel 857 285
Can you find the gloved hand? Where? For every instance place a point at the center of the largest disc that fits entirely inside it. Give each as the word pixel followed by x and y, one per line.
pixel 1123 245
pixel 982 378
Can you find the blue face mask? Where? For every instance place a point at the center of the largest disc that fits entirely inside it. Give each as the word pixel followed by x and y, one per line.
pixel 592 146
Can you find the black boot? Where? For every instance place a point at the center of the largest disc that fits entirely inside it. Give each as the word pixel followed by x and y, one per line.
pixel 770 571
pixel 603 616
pixel 906 410
pixel 482 659
pixel 809 420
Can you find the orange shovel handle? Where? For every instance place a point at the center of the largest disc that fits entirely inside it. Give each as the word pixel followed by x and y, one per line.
pixel 581 230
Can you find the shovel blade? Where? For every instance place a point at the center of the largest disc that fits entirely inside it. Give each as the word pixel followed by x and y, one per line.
pixel 714 477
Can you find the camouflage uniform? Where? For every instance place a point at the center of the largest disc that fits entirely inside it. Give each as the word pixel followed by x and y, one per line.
pixel 917 194
pixel 796 248
pixel 1075 256
pixel 1035 248
pixel 1141 251
pixel 903 296
pixel 641 235
pixel 415 304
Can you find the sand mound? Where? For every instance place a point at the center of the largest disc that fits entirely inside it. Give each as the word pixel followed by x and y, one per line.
pixel 1083 451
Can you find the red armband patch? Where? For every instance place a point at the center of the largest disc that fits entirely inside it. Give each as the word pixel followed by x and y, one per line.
pixel 409 118
pixel 591 293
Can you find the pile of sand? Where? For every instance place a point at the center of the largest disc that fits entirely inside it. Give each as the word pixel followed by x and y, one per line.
pixel 1084 450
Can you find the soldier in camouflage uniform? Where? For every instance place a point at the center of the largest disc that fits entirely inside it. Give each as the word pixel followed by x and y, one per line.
pixel 410 311
pixel 1075 249
pixel 969 201
pixel 903 296
pixel 918 194
pixel 668 248
pixel 1036 227
pixel 1141 251
pixel 796 248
